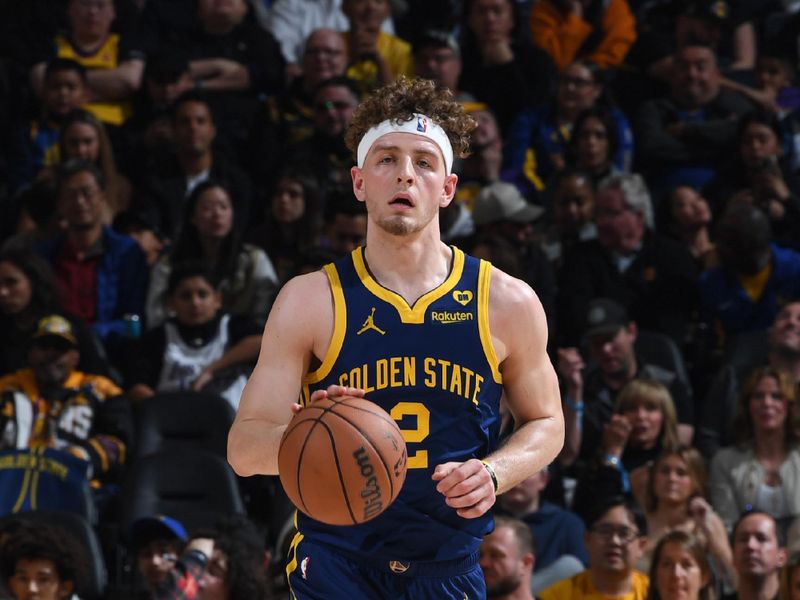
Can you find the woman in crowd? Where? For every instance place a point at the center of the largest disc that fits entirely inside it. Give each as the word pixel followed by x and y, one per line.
pixel 593 144
pixel 680 569
pixel 293 221
pixel 211 230
pixel 675 499
pixel 762 471
pixel 687 218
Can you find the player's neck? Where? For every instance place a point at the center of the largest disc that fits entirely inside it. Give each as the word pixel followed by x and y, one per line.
pixel 408 267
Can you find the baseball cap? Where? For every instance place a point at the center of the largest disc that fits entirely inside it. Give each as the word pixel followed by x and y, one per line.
pixel 713 10
pixel 605 316
pixel 156 527
pixel 500 201
pixel 55 326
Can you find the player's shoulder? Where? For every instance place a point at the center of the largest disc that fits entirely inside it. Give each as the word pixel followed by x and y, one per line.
pixel 508 292
pixel 303 295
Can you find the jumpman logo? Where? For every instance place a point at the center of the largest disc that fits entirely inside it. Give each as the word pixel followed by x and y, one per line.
pixel 369 323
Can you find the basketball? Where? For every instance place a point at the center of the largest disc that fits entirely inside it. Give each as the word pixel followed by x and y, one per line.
pixel 342 461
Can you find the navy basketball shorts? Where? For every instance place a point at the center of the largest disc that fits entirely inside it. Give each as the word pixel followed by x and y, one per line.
pixel 321 572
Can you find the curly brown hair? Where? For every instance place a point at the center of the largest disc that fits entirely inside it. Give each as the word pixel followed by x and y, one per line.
pixel 743 428
pixel 400 100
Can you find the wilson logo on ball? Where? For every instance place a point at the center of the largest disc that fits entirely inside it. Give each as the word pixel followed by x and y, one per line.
pixel 373 505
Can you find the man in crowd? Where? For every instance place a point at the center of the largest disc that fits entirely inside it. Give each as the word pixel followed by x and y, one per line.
pixel 507 556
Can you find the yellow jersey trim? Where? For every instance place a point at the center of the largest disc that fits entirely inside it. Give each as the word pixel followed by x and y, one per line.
pixel 291 566
pixel 339 330
pixel 409 314
pixel 484 277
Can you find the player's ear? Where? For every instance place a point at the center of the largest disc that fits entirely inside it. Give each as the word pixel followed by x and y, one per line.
pixel 358 183
pixel 449 190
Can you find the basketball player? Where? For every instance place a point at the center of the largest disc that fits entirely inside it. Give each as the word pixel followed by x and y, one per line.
pixel 431 335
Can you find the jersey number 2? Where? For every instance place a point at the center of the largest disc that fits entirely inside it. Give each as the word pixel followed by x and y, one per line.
pixel 418 460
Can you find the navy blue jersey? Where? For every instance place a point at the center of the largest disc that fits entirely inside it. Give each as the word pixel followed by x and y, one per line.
pixel 431 366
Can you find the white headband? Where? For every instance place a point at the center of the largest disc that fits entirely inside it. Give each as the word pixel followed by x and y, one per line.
pixel 418 125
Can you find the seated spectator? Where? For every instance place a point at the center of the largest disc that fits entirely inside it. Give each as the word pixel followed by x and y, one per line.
pixel 114 66
pixel 675 499
pixel 593 30
pixel 201 347
pixel 84 137
pixel 538 144
pixel 292 221
pixel 652 276
pixel 615 539
pixel 572 206
pixel 41 562
pixel 761 176
pixel 211 231
pixel 507 557
pixel 686 136
pixel 715 428
pixel 745 292
pixel 593 143
pixel 499 67
pixel 790 577
pixel 687 218
pixel 483 165
pixel 156 542
pixel 774 90
pixel 558 532
pixel 101 275
pixel 375 57
pixel 28 292
pixel 760 471
pixel 146 234
pixel 345 224
pixel 170 180
pixel 591 395
pixel 437 56
pixel 758 556
pixel 680 569
pixel 66 88
pixel 50 403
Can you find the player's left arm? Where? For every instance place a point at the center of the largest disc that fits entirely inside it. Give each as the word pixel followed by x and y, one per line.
pixel 519 333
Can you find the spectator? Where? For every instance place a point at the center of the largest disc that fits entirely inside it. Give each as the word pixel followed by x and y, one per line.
pixel 761 176
pixel 680 569
pixel 538 144
pixel 437 56
pixel 758 557
pixel 292 221
pixel 507 557
pixel 28 292
pixel 146 235
pixel 201 347
pixel 156 542
pixel 114 65
pixel 39 561
pixel 170 181
pixel 483 165
pixel 715 428
pixel 754 275
pixel 66 88
pixel 499 67
pixel 687 219
pixel 50 403
pixel 572 205
pixel 615 538
pixel 686 136
pixel 101 275
pixel 593 143
pixel 652 276
pixel 558 532
pixel 589 397
pixel 790 578
pixel 345 224
pixel 761 471
pixel 597 31
pixel 676 499
pixel 212 230
pixel 375 57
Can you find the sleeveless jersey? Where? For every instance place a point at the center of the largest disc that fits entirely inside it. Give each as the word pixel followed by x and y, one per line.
pixel 431 366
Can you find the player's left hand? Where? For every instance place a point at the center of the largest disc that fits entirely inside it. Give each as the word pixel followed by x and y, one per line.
pixel 466 486
pixel 332 391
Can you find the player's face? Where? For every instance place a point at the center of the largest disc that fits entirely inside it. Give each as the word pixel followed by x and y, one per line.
pixel 288 202
pixel 404 184
pixel 678 575
pixel 503 568
pixel 37 579
pixel 63 92
pixel 81 140
pixel 672 481
pixel 213 582
pixel 195 301
pixel 15 289
pixel 213 214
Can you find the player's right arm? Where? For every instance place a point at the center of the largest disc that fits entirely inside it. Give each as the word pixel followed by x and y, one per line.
pixel 299 328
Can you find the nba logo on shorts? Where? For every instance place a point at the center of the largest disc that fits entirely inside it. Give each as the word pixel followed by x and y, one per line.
pixel 422 124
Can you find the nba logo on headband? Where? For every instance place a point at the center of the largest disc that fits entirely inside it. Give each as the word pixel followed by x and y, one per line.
pixel 422 124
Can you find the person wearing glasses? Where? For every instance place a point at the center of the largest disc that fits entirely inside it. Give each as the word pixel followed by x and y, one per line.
pixel 616 534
